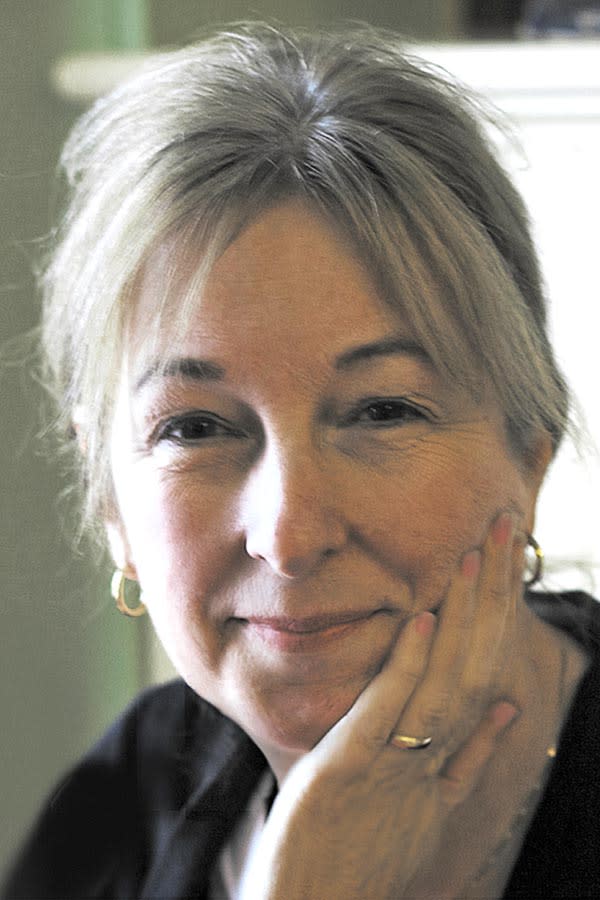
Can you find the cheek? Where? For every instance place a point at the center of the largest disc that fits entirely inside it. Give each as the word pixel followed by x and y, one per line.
pixel 181 556
pixel 177 535
pixel 425 518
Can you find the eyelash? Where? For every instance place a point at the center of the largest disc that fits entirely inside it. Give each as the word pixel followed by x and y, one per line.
pixel 166 430
pixel 403 409
pixel 384 413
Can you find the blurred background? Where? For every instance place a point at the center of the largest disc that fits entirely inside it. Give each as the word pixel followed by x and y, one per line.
pixel 69 661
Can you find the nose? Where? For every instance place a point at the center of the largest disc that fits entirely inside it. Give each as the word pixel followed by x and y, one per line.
pixel 291 515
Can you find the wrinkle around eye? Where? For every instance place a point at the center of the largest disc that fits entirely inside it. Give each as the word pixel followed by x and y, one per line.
pixel 186 440
pixel 219 458
pixel 381 448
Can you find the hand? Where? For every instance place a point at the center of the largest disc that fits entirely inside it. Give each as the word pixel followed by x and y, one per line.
pixel 357 817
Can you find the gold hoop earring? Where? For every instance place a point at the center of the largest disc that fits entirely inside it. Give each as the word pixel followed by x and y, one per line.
pixel 538 568
pixel 117 589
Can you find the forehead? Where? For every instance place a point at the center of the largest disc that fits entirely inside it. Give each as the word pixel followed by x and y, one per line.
pixel 287 275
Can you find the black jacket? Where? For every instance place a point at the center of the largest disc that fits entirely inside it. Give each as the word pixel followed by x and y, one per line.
pixel 147 810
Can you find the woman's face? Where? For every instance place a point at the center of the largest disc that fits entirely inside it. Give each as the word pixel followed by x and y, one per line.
pixel 298 479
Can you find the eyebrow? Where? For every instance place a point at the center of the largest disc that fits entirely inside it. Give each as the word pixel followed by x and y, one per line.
pixel 205 370
pixel 182 367
pixel 392 346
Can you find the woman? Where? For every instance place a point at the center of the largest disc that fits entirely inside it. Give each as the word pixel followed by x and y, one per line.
pixel 295 318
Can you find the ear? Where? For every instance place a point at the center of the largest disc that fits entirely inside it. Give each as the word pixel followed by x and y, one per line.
pixel 539 456
pixel 119 549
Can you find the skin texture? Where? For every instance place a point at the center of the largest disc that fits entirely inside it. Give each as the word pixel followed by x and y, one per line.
pixel 290 508
pixel 289 483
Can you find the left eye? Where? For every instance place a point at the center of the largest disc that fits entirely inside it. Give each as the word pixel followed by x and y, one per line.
pixel 387 412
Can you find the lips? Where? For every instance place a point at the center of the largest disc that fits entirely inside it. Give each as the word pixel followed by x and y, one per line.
pixel 310 624
pixel 309 633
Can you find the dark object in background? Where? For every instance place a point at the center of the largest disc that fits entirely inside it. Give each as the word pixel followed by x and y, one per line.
pixel 532 18
pixel 492 18
pixel 555 18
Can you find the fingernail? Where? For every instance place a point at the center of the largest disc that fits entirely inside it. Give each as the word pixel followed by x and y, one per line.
pixel 471 564
pixel 504 713
pixel 425 624
pixel 502 529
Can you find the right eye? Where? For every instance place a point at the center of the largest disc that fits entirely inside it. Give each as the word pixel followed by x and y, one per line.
pixel 194 428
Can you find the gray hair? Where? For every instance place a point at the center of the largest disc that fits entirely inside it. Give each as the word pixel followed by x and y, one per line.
pixel 383 146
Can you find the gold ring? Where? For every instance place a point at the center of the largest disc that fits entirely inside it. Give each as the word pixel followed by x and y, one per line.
pixel 408 742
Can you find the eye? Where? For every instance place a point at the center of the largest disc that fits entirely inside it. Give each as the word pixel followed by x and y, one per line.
pixel 387 412
pixel 193 428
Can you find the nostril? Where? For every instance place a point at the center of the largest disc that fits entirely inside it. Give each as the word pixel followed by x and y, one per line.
pixel 297 566
pixel 291 569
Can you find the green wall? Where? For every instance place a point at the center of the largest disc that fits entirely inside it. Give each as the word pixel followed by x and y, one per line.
pixel 173 22
pixel 69 662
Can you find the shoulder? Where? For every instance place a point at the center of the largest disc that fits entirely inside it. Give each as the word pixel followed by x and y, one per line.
pixel 560 857
pixel 575 612
pixel 97 821
pixel 574 786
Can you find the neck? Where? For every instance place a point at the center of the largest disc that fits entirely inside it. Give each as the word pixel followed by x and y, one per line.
pixel 280 761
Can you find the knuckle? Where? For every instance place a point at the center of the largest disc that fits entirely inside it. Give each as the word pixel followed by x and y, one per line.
pixel 454 791
pixel 462 621
pixel 366 741
pixel 476 692
pixel 498 590
pixel 410 675
pixel 437 712
pixel 477 697
pixel 434 720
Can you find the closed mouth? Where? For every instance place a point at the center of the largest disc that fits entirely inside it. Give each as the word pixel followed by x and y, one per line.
pixel 311 624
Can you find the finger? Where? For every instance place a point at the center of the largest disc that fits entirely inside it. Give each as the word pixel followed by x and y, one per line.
pixel 495 611
pixel 431 706
pixel 464 769
pixel 467 649
pixel 367 726
pixel 518 565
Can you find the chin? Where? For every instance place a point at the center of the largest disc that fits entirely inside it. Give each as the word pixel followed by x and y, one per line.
pixel 295 723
